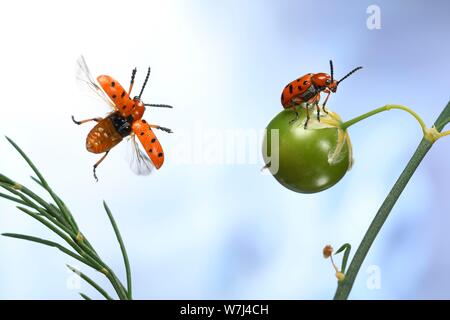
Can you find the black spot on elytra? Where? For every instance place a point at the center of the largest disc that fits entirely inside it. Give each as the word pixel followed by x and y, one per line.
pixel 143 121
pixel 123 94
pixel 299 88
pixel 113 84
pixel 160 154
pixel 153 140
pixel 142 133
pixel 150 150
pixel 114 96
pixel 124 107
pixel 305 82
pixel 298 80
pixel 291 88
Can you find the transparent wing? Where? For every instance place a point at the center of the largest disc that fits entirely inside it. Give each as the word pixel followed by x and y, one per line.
pixel 86 81
pixel 140 163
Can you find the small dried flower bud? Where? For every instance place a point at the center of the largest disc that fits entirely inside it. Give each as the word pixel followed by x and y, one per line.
pixel 340 276
pixel 327 251
pixel 79 237
pixel 17 186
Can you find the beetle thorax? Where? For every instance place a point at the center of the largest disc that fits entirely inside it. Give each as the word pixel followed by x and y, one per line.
pixel 321 80
pixel 138 109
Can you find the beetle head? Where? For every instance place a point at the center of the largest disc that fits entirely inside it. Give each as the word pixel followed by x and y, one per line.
pixel 323 80
pixel 331 83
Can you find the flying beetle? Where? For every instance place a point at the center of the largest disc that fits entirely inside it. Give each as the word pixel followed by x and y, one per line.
pixel 124 120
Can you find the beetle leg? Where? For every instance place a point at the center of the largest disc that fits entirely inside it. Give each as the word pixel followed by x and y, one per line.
pixel 87 120
pixel 296 115
pixel 266 166
pixel 307 115
pixel 318 111
pixel 98 162
pixel 326 99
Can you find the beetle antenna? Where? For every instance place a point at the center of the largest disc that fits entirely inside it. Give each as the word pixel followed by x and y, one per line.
pixel 349 74
pixel 157 105
pixel 331 70
pixel 145 83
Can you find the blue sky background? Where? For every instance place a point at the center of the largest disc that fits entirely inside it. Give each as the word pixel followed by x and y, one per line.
pixel 207 231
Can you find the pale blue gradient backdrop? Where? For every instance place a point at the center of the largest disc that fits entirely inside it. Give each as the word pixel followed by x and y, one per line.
pixel 226 231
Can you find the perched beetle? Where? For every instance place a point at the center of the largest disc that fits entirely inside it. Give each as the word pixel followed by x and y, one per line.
pixel 307 89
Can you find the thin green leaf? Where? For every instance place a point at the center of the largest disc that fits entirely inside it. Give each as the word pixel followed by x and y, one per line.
pixel 55 210
pixel 118 286
pixel 442 123
pixel 62 208
pixel 44 212
pixel 90 281
pixel 122 248
pixel 30 163
pixel 5 179
pixel 23 192
pixel 37 181
pixel 13 199
pixel 47 243
pixel 347 247
pixel 85 297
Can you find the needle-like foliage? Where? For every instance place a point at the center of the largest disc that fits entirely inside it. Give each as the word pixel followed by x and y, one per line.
pixel 57 217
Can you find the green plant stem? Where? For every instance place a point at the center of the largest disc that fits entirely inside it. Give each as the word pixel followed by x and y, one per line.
pixel 387 107
pixel 344 287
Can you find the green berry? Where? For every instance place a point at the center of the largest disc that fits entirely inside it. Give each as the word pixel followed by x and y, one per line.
pixel 308 161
